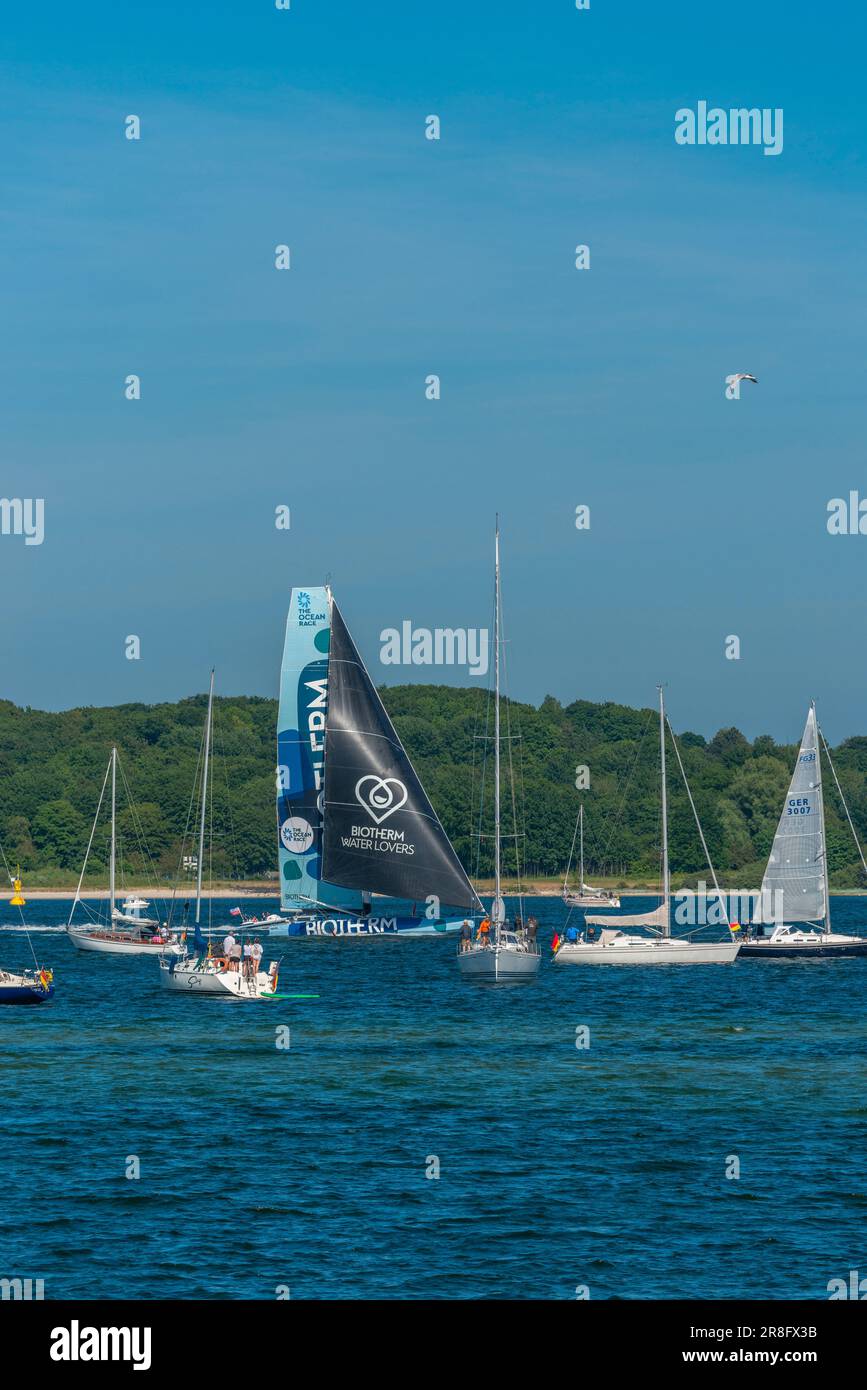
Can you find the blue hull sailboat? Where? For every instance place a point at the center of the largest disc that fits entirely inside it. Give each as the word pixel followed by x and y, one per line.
pixel 29 988
pixel 353 818
pixel 32 986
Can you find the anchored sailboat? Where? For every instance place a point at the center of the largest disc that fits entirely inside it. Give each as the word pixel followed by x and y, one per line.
pixel 353 817
pixel 201 972
pixel 503 956
pixel 585 895
pixel 128 932
pixel 606 943
pixel 798 866
pixel 35 985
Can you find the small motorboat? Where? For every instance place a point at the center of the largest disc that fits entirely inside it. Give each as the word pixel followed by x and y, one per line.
pixel 131 913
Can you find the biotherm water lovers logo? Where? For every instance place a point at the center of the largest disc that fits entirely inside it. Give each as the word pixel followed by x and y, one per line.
pixel 380 796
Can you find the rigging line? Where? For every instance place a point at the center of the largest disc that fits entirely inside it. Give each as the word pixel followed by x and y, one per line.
pixel 187 840
pixel 843 799
pixel 482 782
pixel 218 734
pixel 20 913
pixel 89 844
pixel 476 829
pixel 515 835
pixel 140 835
pixel 571 854
pixel 723 900
pixel 618 814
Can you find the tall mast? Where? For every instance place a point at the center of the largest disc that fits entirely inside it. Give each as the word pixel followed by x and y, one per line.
pixel 827 926
pixel 581 826
pixel 497 888
pixel 111 884
pixel 204 800
pixel 666 926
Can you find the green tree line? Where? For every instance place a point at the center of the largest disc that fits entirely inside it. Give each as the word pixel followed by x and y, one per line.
pixel 52 767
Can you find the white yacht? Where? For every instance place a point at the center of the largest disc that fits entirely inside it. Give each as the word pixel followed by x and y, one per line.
pixel 604 940
pixel 797 868
pixel 127 931
pixel 585 895
pixel 499 955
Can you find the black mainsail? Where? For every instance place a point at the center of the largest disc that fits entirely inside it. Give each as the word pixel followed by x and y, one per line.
pixel 381 832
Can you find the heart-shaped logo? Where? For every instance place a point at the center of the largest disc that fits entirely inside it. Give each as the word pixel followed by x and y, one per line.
pixel 380 796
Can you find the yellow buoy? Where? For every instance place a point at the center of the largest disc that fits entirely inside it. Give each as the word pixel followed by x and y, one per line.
pixel 17 900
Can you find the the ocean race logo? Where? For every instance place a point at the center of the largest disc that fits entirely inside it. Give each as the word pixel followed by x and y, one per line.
pixel 380 796
pixel 296 835
pixel 738 126
pixel 439 646
pixel 77 1343
pixel 306 615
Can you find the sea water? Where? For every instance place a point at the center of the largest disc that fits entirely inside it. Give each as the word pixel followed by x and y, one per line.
pixel 414 1135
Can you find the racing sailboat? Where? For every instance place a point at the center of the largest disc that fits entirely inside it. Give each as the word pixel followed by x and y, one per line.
pixel 604 942
pixel 585 895
pixel 798 866
pixel 353 817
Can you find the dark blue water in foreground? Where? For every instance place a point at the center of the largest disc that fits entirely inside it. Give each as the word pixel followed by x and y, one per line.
pixel 558 1167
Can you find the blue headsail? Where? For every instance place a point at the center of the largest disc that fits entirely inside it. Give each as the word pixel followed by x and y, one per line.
pixel 301 755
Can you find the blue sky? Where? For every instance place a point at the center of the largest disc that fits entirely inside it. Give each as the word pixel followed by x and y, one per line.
pixel 454 257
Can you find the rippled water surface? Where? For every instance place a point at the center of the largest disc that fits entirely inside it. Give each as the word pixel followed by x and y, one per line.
pixel 306 1166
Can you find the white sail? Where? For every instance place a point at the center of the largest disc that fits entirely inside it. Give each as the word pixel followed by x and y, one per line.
pixel 797 863
pixel 658 918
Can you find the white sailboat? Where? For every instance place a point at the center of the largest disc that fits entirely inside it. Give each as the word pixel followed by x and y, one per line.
pixel 128 932
pixel 501 956
pixel 202 971
pixel 797 868
pixel 585 895
pixel 604 942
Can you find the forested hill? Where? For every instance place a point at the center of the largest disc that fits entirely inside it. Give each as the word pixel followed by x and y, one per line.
pixel 52 766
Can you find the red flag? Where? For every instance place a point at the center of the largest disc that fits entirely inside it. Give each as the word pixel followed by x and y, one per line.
pixel 555 941
pixel 234 912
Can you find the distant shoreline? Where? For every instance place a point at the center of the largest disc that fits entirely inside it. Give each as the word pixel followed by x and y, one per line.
pixel 532 889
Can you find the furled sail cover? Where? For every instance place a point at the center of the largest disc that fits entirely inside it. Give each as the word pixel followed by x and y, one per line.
pixel 300 755
pixel 797 862
pixel 381 832
pixel 658 919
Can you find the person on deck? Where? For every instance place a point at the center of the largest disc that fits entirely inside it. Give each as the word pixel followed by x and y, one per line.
pixel 532 928
pixel 571 934
pixel 466 935
pixel 257 957
pixel 228 946
pixel 484 932
pixel 248 959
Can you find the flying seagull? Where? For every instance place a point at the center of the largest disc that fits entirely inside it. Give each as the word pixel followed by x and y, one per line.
pixel 743 376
